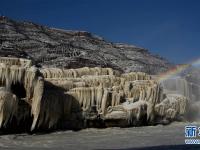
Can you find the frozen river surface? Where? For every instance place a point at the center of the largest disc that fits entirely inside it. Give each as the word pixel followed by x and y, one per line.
pixel 136 138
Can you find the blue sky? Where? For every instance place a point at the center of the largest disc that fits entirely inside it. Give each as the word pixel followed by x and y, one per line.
pixel 170 28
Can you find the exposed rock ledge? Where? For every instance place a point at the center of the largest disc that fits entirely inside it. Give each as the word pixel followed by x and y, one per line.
pixel 73 49
pixel 34 98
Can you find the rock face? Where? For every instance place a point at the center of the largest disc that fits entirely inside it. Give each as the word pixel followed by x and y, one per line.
pixel 52 98
pixel 73 49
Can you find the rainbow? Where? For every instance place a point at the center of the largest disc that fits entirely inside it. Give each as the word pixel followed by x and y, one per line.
pixel 196 63
pixel 177 69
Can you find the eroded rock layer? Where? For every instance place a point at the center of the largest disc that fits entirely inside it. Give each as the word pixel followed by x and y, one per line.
pixel 73 49
pixel 52 98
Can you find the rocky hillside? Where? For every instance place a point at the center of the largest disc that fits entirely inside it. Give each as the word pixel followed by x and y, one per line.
pixel 73 49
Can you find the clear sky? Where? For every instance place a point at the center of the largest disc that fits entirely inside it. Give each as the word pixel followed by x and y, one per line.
pixel 170 28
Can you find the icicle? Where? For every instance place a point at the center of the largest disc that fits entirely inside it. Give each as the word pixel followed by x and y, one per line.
pixel 8 107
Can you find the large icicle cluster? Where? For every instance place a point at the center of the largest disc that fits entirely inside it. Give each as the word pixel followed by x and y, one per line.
pixel 8 107
pixel 110 97
pixel 22 82
pixel 172 106
pixel 51 98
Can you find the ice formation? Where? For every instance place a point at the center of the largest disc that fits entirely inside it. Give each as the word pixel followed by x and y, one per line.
pixel 52 98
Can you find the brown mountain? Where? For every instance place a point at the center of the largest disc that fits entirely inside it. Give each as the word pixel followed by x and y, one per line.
pixel 73 49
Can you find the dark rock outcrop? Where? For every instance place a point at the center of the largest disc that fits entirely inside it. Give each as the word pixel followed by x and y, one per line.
pixel 73 49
